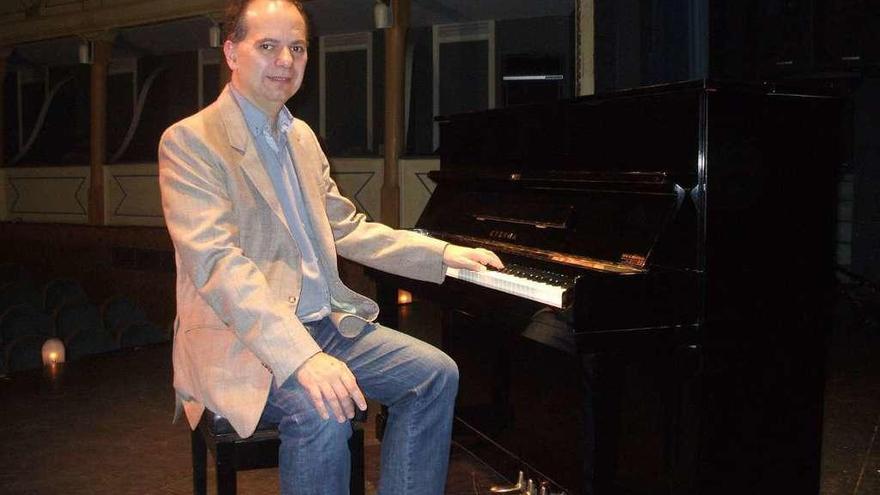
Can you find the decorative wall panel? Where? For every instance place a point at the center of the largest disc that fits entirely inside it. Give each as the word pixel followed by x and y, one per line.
pixel 46 194
pixel 360 180
pixel 132 195
pixel 415 188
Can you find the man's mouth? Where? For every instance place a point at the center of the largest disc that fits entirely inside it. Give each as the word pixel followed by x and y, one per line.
pixel 280 78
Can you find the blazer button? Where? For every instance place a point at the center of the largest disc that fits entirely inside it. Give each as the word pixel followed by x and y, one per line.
pixel 291 299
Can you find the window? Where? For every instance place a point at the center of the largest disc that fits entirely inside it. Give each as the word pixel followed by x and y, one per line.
pixel 464 69
pixel 346 94
pixel 210 60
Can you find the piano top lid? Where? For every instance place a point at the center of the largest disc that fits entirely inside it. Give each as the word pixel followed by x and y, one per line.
pixel 798 88
pixel 657 89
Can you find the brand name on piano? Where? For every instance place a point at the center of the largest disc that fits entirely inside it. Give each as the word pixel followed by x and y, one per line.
pixel 503 235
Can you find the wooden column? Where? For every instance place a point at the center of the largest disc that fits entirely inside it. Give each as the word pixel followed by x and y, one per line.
pixel 395 55
pixel 102 47
pixel 586 46
pixel 4 55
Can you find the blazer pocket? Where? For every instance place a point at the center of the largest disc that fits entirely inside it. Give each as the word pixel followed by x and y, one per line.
pixel 215 328
pixel 197 314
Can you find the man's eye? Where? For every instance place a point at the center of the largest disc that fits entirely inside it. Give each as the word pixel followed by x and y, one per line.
pixel 298 49
pixel 266 46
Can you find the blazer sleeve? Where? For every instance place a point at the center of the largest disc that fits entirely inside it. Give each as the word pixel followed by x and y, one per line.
pixel 374 244
pixel 202 223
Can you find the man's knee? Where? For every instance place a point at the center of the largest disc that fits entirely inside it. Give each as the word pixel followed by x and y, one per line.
pixel 445 372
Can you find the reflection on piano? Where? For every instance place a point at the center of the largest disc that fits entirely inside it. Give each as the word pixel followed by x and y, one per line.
pixel 660 327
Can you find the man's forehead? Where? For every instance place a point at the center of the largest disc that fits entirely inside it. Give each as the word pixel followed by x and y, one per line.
pixel 271 8
pixel 274 15
pixel 261 23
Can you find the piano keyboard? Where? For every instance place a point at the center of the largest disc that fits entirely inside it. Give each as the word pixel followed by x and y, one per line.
pixel 529 283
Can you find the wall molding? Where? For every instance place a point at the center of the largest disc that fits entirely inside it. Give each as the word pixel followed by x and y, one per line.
pixel 132 196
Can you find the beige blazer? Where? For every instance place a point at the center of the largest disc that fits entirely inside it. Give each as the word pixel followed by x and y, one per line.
pixel 238 267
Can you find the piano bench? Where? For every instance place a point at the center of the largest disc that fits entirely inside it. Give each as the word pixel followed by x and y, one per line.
pixel 232 453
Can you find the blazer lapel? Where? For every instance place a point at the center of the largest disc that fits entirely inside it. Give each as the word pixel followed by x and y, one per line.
pixel 240 139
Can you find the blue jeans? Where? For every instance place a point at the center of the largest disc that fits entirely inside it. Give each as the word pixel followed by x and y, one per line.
pixel 416 381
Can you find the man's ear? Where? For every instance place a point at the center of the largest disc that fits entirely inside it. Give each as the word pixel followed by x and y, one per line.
pixel 229 53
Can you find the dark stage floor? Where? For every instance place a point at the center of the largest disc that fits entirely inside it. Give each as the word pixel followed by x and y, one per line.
pixel 112 432
pixel 103 426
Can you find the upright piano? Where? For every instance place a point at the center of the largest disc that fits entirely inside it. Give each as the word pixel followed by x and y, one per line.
pixel 660 327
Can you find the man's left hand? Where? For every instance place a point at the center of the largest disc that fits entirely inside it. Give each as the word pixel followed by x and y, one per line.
pixel 469 258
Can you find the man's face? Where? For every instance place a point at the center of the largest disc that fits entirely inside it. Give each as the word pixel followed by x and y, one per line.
pixel 267 66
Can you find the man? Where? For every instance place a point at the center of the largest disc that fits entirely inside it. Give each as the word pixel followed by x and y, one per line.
pixel 265 327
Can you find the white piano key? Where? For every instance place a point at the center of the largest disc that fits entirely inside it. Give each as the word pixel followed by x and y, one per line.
pixel 550 295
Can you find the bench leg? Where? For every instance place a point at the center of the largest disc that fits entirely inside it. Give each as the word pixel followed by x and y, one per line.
pixel 199 463
pixel 226 482
pixel 356 446
pixel 224 459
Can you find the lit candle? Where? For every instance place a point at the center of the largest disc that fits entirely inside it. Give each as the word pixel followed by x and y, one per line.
pixel 53 352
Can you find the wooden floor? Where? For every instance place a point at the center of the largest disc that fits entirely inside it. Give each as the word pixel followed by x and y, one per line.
pixel 112 432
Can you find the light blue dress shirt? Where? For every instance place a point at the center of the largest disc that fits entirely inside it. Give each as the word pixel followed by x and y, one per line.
pixel 274 151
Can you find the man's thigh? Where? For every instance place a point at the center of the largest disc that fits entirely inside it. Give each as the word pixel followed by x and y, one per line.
pixel 386 363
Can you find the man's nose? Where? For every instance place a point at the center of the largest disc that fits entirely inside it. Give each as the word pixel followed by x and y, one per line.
pixel 285 58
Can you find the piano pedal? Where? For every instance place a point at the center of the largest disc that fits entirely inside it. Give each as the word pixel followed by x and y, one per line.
pixel 517 488
pixel 523 487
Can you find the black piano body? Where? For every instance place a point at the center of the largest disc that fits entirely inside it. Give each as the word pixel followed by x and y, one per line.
pixel 693 226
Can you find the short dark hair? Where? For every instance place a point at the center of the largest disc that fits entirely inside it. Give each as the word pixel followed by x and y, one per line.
pixel 236 29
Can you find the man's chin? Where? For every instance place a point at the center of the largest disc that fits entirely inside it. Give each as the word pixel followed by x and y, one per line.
pixel 282 96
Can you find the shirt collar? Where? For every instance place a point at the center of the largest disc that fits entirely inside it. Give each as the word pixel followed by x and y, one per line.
pixel 256 120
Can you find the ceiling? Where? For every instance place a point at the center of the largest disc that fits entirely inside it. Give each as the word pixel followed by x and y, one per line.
pixel 327 16
pixel 339 16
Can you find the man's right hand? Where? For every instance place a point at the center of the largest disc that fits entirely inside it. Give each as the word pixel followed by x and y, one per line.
pixel 328 381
